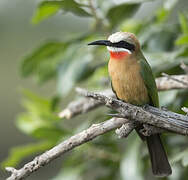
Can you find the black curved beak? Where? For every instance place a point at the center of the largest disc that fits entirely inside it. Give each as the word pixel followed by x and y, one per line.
pixel 102 43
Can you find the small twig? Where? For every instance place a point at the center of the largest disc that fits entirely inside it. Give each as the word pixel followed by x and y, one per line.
pixel 100 22
pixel 11 170
pixel 184 67
pixel 185 109
pixel 93 10
pixel 125 129
pixel 84 105
pixel 172 82
pixel 175 79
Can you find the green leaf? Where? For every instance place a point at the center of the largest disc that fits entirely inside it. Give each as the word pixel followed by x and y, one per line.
pixel 69 174
pixel 42 63
pixel 131 25
pixel 157 38
pixel 183 23
pixel 38 104
pixel 40 119
pixel 39 128
pixel 45 10
pixel 74 68
pixel 121 12
pixel 184 53
pixel 162 15
pixel 131 165
pixel 185 160
pixel 169 4
pixel 167 97
pixel 18 153
pixel 50 133
pixel 73 7
pixel 49 8
pixel 181 156
pixel 164 12
pixel 99 77
pixel 182 40
pixel 164 62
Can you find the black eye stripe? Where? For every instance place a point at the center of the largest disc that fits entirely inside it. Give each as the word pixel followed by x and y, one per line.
pixel 124 44
pixel 120 44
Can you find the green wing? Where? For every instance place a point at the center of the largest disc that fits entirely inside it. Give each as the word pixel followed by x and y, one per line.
pixel 149 81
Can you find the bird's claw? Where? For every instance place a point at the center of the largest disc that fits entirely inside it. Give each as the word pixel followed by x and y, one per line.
pixel 164 108
pixel 146 106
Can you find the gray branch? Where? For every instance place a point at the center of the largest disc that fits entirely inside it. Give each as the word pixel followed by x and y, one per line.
pixel 180 80
pixel 149 130
pixel 67 145
pixel 84 105
pixel 184 67
pixel 185 109
pixel 166 120
pixel 125 129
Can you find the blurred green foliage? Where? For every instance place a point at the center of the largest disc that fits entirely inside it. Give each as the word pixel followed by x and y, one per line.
pixel 49 8
pixel 164 38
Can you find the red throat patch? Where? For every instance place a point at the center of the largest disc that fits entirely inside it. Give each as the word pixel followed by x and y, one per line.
pixel 118 55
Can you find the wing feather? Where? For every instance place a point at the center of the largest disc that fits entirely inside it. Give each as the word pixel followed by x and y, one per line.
pixel 149 81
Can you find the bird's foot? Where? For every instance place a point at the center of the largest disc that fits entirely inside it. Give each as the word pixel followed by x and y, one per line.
pixel 164 108
pixel 146 106
pixel 125 130
pixel 149 130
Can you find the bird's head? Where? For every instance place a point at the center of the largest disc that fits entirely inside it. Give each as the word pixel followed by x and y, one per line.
pixel 120 44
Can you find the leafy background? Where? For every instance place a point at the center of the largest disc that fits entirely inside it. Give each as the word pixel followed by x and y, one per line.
pixel 52 64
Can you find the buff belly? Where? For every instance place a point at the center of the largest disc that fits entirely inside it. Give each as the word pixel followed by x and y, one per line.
pixel 127 81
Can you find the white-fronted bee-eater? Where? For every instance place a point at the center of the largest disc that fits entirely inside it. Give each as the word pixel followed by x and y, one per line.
pixel 133 82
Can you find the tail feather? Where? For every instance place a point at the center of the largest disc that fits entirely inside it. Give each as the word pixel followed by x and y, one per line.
pixel 159 160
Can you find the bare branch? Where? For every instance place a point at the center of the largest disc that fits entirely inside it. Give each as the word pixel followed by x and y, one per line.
pixel 177 79
pixel 166 120
pixel 125 129
pixel 84 105
pixel 172 82
pixel 67 145
pixel 93 10
pixel 184 67
pixel 185 109
pixel 150 115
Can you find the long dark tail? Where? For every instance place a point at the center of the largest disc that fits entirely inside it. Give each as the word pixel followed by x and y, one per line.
pixel 159 160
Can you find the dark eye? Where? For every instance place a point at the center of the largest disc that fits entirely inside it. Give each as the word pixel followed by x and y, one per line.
pixel 124 44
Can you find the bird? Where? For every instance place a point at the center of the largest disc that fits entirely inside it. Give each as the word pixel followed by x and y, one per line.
pixel 133 82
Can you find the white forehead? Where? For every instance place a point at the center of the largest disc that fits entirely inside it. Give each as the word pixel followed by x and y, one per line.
pixel 118 36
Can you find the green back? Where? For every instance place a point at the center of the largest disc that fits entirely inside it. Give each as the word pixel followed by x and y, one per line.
pixel 149 80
